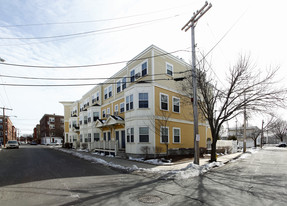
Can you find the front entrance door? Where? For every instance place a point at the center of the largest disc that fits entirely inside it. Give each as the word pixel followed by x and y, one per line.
pixel 118 138
pixel 123 136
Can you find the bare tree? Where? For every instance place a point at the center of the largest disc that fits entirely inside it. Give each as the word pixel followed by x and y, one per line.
pixel 160 124
pixel 267 126
pixel 245 88
pixel 279 129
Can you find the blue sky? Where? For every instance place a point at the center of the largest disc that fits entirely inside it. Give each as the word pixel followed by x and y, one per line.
pixel 255 27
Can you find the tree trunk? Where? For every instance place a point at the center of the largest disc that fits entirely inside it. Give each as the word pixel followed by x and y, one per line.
pixel 213 151
pixel 255 143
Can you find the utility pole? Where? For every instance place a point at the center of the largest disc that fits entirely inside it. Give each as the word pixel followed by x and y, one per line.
pixel 191 24
pixel 4 125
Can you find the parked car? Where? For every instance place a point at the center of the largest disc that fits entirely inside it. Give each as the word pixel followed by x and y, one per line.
pixel 33 143
pixel 12 144
pixel 282 144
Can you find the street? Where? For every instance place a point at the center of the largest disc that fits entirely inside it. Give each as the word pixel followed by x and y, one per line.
pixel 37 175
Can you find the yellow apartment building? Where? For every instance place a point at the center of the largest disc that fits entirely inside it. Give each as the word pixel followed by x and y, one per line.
pixel 141 107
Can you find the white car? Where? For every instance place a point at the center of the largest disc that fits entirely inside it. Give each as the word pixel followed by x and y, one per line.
pixel 12 144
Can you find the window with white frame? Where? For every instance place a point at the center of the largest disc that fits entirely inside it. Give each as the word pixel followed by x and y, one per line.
pixel 85 119
pixel 106 93
pixel 98 96
pixel 144 68
pixel 130 135
pixel 108 112
pixel 129 102
pixel 96 137
pixel 143 134
pixel 164 102
pixel 175 104
pixel 124 83
pixel 143 100
pixel 89 137
pixel 176 135
pixel 164 135
pixel 169 69
pixel 104 113
pixel 122 107
pixel 116 109
pixel 96 116
pixel 51 119
pixel 119 86
pixel 110 91
pixel 132 75
pixel 52 126
pixel 89 117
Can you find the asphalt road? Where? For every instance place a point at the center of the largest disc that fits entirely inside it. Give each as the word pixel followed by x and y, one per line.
pixel 36 175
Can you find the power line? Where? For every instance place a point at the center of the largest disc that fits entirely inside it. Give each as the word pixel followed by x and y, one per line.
pixel 88 21
pixel 89 32
pixel 79 79
pixel 90 65
pixel 73 85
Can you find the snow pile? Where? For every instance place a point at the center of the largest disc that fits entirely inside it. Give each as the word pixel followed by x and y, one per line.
pixel 151 161
pixel 191 170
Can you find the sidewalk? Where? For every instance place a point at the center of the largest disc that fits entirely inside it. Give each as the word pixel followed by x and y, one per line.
pixel 136 165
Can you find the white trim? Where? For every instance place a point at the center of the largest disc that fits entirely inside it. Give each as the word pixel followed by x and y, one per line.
pixel 182 121
pixel 161 134
pixel 152 64
pixel 173 97
pixel 179 135
pixel 167 101
pixel 145 126
pixel 169 64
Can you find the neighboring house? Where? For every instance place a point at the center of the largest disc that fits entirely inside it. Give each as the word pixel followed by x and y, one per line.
pixel 36 133
pixel 238 132
pixel 52 129
pixel 140 106
pixel 10 130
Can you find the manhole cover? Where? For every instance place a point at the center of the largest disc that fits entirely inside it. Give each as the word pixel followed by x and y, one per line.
pixel 150 199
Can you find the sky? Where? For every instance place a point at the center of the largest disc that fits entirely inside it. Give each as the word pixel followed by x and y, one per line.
pixel 92 32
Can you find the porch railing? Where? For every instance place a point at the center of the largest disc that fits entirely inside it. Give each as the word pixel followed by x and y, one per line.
pixel 110 146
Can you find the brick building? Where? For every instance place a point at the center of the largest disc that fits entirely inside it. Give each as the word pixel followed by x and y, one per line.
pixel 52 129
pixel 10 130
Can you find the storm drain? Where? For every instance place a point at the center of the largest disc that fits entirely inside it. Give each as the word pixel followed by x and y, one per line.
pixel 149 199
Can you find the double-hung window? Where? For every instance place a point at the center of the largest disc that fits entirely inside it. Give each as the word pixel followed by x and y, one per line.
pixel 130 135
pixel 143 134
pixel 85 119
pixel 104 113
pixel 110 90
pixel 122 107
pixel 164 135
pixel 144 69
pixel 96 116
pixel 164 102
pixel 175 104
pixel 176 135
pixel 96 137
pixel 129 102
pixel 169 69
pixel 106 93
pixel 119 86
pixel 124 83
pixel 98 96
pixel 108 112
pixel 132 76
pixel 143 100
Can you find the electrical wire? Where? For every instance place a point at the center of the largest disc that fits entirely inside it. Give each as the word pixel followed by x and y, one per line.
pixel 91 65
pixel 89 32
pixel 79 79
pixel 72 85
pixel 89 21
